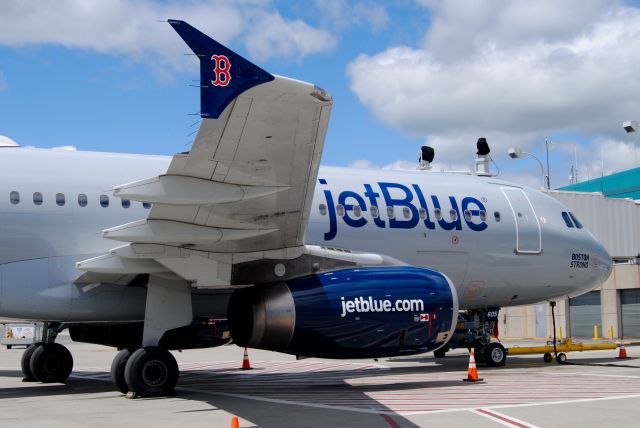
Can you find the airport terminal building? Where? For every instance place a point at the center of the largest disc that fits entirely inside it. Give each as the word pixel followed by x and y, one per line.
pixel 610 208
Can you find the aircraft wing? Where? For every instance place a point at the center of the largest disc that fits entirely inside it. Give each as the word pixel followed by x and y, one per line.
pixel 246 185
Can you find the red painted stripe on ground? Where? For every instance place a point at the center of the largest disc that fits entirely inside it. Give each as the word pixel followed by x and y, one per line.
pixel 503 418
pixel 390 421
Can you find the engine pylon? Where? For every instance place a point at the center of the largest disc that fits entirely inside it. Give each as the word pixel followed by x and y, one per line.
pixel 472 372
pixel 246 365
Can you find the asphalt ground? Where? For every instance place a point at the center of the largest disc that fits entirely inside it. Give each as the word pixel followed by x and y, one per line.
pixel 594 389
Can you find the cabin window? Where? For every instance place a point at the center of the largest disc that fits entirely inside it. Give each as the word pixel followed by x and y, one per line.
pixel 14 197
pixel 437 213
pixel 357 211
pixel 340 210
pixel 390 212
pixel 37 198
pixel 483 215
pixel 406 212
pixel 60 200
pixel 453 214
pixel 567 220
pixel 467 215
pixel 104 201
pixel 422 213
pixel 575 221
pixel 374 211
pixel 82 200
pixel 496 215
pixel 323 209
pixel 146 205
pixel 126 203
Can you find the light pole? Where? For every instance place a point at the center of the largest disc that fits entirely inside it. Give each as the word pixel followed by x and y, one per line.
pixel 515 153
pixel 548 176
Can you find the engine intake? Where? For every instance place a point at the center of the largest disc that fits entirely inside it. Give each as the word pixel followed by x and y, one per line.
pixel 351 313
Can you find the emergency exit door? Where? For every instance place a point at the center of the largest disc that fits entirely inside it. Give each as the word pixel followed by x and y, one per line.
pixel 528 235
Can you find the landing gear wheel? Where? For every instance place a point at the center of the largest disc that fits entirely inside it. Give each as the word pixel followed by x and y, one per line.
pixel 117 369
pixel 25 362
pixel 561 358
pixel 440 353
pixel 494 354
pixel 151 372
pixel 51 362
pixel 547 357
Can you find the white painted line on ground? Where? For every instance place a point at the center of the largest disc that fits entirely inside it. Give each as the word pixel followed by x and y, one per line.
pixel 502 419
pixel 603 375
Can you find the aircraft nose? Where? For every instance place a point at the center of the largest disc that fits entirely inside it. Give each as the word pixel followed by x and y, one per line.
pixel 602 262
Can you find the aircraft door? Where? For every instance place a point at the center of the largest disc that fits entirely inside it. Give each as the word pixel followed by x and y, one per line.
pixel 528 234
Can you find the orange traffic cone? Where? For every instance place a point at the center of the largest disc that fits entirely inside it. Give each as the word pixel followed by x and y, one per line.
pixel 245 361
pixel 234 422
pixel 622 355
pixel 472 372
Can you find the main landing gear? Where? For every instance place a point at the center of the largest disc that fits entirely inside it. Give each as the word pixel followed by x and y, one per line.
pixel 47 361
pixel 151 370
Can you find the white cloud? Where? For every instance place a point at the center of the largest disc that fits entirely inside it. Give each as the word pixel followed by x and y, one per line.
pixel 404 165
pixel 66 148
pixel 270 35
pixel 340 14
pixel 131 28
pixel 363 164
pixel 514 72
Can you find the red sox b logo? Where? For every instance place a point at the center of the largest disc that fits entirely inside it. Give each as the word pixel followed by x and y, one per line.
pixel 221 70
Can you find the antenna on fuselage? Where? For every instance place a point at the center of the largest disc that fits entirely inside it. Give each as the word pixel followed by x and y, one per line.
pixel 426 157
pixel 482 161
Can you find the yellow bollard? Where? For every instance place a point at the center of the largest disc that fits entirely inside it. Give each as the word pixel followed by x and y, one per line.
pixel 559 332
pixel 610 332
pixel 596 335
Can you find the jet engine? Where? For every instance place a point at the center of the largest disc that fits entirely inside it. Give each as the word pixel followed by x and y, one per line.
pixel 352 313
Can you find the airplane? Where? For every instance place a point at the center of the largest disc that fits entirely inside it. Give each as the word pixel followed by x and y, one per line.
pixel 246 239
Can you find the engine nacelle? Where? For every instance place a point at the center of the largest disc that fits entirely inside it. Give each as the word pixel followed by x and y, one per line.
pixel 351 313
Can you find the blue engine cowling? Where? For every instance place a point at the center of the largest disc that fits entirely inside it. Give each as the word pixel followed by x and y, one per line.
pixel 351 313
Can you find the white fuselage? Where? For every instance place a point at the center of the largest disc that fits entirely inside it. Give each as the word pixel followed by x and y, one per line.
pixel 500 244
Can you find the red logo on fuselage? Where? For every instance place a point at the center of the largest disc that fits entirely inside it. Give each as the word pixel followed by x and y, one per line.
pixel 221 70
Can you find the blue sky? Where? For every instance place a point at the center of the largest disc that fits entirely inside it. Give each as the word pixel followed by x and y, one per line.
pixel 107 76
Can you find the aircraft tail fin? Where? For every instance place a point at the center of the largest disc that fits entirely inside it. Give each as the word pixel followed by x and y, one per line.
pixel 223 73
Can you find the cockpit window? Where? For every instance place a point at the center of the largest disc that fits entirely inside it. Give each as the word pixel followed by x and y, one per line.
pixel 575 221
pixel 567 220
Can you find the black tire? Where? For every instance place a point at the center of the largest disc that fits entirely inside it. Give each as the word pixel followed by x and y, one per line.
pixel 494 354
pixel 440 353
pixel 25 361
pixel 478 355
pixel 117 369
pixel 547 357
pixel 51 362
pixel 151 372
pixel 561 358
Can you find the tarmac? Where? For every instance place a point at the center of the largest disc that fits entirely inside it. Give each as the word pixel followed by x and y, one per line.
pixel 593 389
